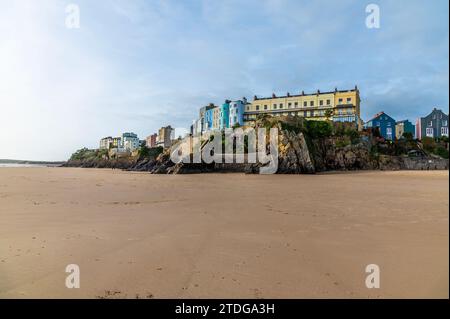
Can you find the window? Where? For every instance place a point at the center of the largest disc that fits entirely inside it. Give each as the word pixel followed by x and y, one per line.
pixel 444 123
pixel 265 107
pixel 340 101
pixel 311 103
pixel 289 105
pixel 444 131
pixel 349 100
pixel 296 104
pixel 257 107
pixel 321 102
pixel 281 105
pixel 328 102
pixel 389 133
pixel 429 132
pixel 305 103
pixel 430 123
pixel 275 106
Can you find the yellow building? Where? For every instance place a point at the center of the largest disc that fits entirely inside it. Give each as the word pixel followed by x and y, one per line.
pixel 338 105
pixel 165 136
pixel 117 141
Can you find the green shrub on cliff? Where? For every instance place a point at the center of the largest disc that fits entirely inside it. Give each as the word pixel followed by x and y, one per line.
pixel 442 152
pixel 149 153
pixel 318 129
pixel 429 144
pixel 88 154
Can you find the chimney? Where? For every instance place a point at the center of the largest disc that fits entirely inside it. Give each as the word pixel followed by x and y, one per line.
pixel 255 98
pixel 288 94
pixel 356 87
pixel 318 92
pixel 335 89
pixel 273 95
pixel 303 92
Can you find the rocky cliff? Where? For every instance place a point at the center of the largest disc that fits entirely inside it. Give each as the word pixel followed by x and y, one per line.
pixel 304 147
pixel 298 156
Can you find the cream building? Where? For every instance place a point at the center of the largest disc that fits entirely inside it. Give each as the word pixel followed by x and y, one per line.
pixel 337 105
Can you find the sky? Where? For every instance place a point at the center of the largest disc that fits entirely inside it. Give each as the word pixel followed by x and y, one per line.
pixel 135 65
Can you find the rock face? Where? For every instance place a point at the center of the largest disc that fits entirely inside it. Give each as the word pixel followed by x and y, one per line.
pixel 412 163
pixel 327 156
pixel 294 156
pixel 121 163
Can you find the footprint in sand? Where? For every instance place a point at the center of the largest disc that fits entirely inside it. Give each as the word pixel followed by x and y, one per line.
pixel 257 293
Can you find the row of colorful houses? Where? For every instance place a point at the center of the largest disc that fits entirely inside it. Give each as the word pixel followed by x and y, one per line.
pixel 130 142
pixel 337 105
pixel 213 117
pixel 127 142
pixel 434 125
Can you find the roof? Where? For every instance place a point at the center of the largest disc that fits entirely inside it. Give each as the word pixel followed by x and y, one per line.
pixel 376 115
pixel 379 114
pixel 307 94
pixel 435 110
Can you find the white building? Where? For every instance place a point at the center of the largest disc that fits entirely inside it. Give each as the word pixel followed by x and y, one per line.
pixel 106 142
pixel 130 142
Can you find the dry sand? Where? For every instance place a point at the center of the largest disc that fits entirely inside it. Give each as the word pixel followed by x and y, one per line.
pixel 231 236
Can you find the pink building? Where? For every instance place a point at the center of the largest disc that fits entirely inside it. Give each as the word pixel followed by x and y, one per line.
pixel 150 141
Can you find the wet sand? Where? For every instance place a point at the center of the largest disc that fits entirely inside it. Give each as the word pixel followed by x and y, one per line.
pixel 136 235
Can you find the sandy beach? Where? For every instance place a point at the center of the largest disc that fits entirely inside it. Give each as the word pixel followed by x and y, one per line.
pixel 136 235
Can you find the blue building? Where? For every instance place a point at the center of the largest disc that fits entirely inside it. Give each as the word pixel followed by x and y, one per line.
pixel 209 117
pixel 203 122
pixel 433 125
pixel 403 127
pixel 224 116
pixel 385 123
pixel 237 112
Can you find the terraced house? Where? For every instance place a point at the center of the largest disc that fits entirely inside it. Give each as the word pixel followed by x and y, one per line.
pixel 338 105
pixel 433 125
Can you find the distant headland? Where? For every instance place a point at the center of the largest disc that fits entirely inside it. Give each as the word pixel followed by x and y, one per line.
pixel 27 162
